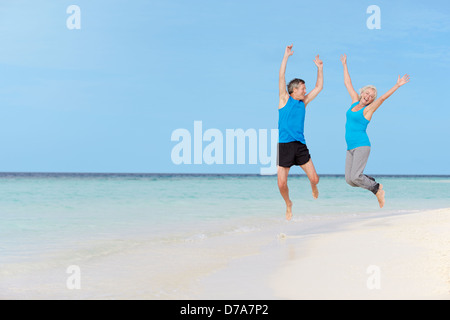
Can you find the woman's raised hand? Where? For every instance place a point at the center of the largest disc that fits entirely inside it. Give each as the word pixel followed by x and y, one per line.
pixel 401 81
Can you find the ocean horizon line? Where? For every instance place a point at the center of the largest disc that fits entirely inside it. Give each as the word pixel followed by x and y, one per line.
pixel 166 174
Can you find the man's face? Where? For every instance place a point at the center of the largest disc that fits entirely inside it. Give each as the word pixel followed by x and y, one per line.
pixel 300 92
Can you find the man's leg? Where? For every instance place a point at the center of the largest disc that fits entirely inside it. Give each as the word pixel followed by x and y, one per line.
pixel 284 190
pixel 312 176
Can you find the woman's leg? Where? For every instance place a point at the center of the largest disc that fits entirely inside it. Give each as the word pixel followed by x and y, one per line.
pixel 360 157
pixel 348 167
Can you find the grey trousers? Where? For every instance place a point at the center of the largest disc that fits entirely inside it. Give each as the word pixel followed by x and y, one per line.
pixel 355 163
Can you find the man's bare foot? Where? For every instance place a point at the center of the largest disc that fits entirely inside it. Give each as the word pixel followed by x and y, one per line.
pixel 380 196
pixel 289 211
pixel 315 192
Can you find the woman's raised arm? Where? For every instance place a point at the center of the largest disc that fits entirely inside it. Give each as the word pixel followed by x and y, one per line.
pixel 348 81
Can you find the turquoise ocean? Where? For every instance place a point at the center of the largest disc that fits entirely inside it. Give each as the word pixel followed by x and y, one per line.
pixel 50 221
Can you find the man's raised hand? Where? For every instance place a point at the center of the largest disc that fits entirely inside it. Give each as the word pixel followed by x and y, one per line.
pixel 289 51
pixel 318 62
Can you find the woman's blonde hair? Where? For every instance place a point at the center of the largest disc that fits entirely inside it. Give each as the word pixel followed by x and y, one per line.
pixel 361 91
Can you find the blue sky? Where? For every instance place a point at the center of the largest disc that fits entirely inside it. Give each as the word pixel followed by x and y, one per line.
pixel 107 97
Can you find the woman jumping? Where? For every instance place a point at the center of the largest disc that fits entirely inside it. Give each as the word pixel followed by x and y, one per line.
pixel 358 144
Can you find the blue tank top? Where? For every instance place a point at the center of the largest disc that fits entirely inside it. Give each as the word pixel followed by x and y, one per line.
pixel 291 121
pixel 355 129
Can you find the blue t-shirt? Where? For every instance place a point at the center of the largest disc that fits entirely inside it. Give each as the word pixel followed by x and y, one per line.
pixel 291 121
pixel 355 129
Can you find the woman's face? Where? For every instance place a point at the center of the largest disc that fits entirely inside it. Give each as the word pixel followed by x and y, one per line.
pixel 368 96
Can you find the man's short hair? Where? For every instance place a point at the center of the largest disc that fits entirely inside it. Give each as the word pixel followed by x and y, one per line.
pixel 294 83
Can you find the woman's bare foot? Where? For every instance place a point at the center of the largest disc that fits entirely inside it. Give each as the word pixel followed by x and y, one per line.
pixel 289 211
pixel 380 196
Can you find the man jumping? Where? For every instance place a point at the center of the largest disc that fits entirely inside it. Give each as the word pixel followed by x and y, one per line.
pixel 292 148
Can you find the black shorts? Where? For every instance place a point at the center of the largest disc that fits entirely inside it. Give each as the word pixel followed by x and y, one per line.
pixel 292 153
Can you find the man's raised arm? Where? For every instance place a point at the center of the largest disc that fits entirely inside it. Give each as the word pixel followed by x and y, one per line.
pixel 284 95
pixel 319 83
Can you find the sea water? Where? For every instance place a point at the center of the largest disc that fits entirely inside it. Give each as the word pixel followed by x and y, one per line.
pixel 176 222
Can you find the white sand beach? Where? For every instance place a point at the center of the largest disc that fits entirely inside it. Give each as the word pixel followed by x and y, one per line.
pixel 393 257
pixel 401 256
